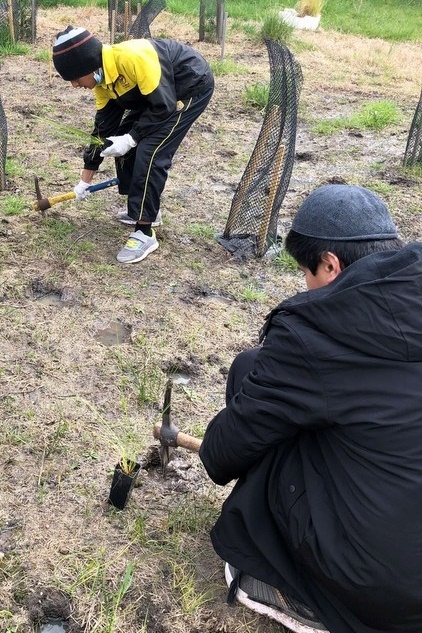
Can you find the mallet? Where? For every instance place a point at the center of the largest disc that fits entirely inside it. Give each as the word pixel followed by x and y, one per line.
pixel 42 204
pixel 169 435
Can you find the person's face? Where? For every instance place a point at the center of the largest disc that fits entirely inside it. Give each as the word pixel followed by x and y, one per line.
pixel 87 81
pixel 328 269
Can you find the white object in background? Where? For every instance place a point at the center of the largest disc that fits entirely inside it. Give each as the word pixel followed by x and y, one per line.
pixel 309 22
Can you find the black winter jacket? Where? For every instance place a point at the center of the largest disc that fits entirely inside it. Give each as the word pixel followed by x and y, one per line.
pixel 325 439
pixel 148 77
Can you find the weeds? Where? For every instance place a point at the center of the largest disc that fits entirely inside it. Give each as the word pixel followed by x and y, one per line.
pixel 204 231
pixel 250 293
pixel 227 66
pixel 257 95
pixel 184 584
pixel 273 28
pixel 375 115
pixel 285 262
pixel 13 205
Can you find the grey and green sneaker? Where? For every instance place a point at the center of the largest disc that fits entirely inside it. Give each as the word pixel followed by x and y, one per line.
pixel 125 218
pixel 137 248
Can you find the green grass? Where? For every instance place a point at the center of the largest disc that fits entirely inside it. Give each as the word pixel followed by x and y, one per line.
pixel 386 19
pixel 12 205
pixel 227 67
pixel 374 115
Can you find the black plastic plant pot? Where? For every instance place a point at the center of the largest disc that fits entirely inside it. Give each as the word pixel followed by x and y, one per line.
pixel 122 486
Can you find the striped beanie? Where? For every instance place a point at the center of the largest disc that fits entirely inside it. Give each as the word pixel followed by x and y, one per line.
pixel 76 53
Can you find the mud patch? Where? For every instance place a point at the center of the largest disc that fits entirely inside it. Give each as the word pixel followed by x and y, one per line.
pixel 114 333
pixel 48 608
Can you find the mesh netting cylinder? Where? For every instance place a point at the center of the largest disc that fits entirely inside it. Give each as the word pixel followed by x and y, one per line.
pixel 18 21
pixel 148 13
pixel 413 152
pixel 251 227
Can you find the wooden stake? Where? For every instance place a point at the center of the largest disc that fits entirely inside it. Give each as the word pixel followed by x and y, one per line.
pixel 126 20
pixel 201 20
pixel 113 26
pixel 11 21
pixel 274 182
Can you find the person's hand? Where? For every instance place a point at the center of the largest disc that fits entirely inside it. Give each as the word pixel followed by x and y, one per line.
pixel 81 190
pixel 120 145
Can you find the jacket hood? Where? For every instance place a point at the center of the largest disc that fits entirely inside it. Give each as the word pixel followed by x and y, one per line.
pixel 373 306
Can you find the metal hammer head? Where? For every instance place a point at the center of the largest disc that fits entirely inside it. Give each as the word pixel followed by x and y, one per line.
pixel 168 431
pixel 42 204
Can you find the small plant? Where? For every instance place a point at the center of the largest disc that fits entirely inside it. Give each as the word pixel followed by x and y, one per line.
pixel 309 7
pixel 13 205
pixel 257 95
pixel 227 66
pixel 375 115
pixel 43 56
pixel 275 29
pixel 250 293
pixel 285 262
pixel 184 584
pixel 73 134
pixel 203 231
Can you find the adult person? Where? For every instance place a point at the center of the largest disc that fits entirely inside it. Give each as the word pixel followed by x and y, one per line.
pixel 148 93
pixel 322 430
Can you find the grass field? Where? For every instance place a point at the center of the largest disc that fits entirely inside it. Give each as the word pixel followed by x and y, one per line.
pixel 386 19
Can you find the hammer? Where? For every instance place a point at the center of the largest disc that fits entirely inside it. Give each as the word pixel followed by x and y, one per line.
pixel 42 204
pixel 169 435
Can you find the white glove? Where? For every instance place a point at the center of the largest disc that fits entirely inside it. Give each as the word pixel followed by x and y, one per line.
pixel 81 190
pixel 121 145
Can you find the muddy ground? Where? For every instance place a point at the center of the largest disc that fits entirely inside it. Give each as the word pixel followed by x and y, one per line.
pixel 87 344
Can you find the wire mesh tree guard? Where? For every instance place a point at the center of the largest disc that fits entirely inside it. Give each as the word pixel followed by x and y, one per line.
pixel 413 152
pixel 120 14
pixel 148 13
pixel 251 227
pixel 18 21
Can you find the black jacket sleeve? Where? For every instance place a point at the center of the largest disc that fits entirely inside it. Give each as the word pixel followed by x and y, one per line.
pixel 282 395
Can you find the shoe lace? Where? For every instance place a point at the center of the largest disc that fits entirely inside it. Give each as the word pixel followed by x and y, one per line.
pixel 234 586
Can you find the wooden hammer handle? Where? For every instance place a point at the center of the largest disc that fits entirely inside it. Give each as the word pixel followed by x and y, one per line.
pixel 183 440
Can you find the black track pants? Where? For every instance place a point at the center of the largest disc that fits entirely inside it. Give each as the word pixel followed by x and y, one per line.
pixel 143 171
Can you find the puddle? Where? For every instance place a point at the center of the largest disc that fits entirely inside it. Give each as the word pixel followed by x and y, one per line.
pixel 51 299
pixel 115 333
pixel 53 626
pixel 180 379
pixel 214 297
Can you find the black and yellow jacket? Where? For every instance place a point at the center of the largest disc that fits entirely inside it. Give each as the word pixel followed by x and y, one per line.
pixel 149 76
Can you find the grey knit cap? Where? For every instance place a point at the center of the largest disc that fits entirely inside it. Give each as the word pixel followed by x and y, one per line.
pixel 343 213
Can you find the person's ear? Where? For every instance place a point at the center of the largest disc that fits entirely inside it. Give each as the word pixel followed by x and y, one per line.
pixel 331 266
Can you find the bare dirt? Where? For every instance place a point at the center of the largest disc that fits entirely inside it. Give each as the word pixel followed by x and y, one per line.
pixel 87 344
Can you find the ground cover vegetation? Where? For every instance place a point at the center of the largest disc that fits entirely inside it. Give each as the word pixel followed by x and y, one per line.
pixel 87 345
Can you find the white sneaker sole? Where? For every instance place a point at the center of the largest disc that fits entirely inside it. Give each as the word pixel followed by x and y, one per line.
pixel 270 612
